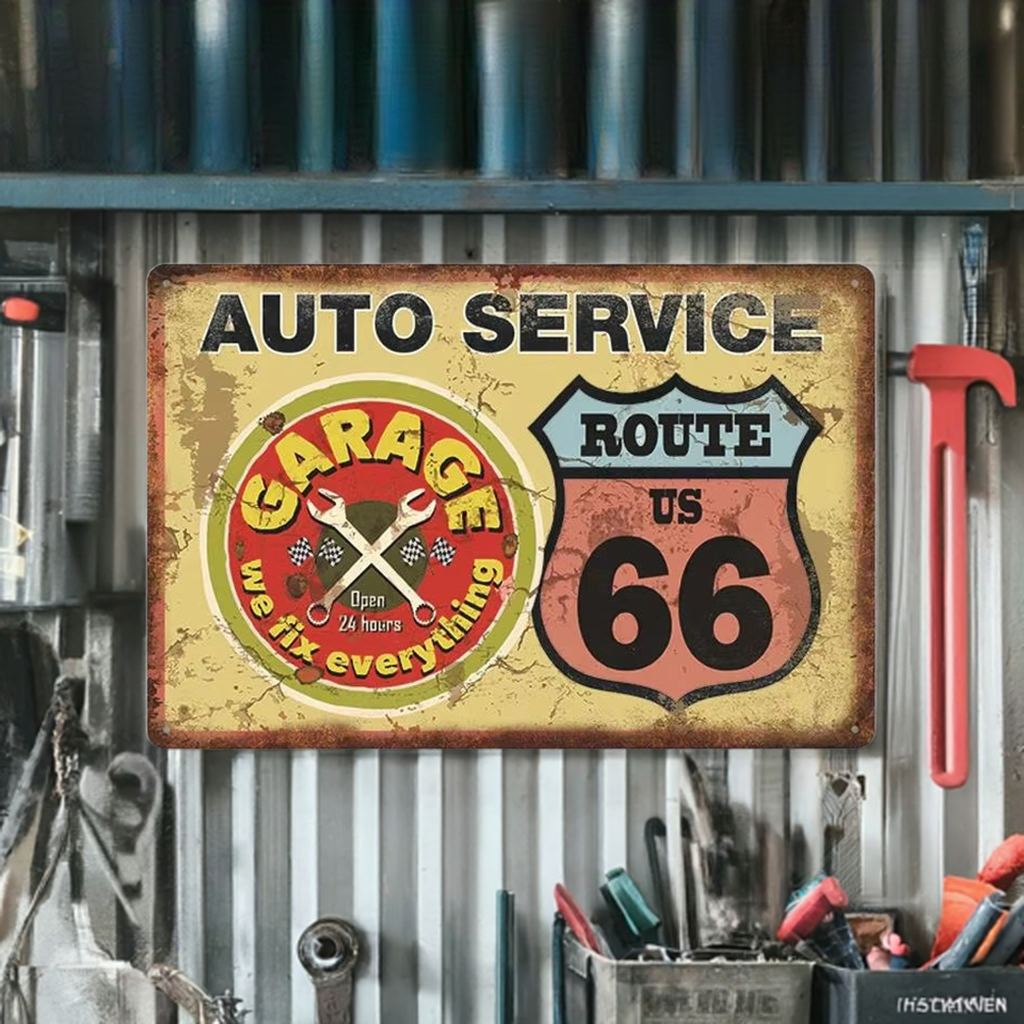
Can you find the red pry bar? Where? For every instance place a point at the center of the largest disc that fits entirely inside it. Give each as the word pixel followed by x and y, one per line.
pixel 948 371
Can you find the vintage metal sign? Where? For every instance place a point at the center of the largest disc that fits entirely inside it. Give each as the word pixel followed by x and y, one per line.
pixel 485 506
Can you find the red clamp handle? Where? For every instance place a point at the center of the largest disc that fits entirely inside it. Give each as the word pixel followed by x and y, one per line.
pixel 811 909
pixel 948 371
pixel 576 919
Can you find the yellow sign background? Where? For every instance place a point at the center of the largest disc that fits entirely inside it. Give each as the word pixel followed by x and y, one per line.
pixel 203 693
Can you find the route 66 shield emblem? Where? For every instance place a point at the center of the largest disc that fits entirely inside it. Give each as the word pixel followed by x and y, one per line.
pixel 675 568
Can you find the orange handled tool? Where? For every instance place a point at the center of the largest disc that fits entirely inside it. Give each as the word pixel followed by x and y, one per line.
pixel 948 371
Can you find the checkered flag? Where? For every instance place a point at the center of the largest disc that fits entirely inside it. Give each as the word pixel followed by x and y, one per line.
pixel 443 551
pixel 300 551
pixel 413 551
pixel 331 551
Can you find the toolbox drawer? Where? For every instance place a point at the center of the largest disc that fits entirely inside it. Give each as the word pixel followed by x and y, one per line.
pixel 954 997
pixel 602 991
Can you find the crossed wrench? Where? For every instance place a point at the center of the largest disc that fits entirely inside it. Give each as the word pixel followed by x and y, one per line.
pixel 319 612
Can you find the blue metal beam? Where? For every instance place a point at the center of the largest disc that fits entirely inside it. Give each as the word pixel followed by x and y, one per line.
pixel 422 194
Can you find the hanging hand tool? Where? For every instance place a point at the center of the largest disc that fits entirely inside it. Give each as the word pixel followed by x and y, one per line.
pixel 329 950
pixel 948 371
pixel 135 792
pixel 973 268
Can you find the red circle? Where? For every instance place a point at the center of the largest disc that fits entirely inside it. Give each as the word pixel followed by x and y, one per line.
pixel 294 570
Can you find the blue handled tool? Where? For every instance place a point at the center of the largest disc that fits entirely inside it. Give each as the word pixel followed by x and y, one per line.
pixel 558 969
pixel 973 934
pixel 1006 949
pixel 506 942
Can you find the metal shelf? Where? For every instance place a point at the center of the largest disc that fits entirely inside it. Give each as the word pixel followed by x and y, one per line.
pixel 422 194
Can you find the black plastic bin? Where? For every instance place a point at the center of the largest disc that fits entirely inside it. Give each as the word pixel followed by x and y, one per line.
pixel 975 995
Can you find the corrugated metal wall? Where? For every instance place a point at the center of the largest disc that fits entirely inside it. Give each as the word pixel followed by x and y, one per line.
pixel 412 847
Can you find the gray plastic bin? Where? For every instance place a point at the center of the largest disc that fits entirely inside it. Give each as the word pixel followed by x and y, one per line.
pixel 602 991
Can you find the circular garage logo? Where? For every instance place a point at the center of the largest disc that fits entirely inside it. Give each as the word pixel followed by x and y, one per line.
pixel 371 544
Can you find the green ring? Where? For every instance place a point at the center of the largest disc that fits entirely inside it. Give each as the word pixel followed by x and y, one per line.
pixel 388 698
